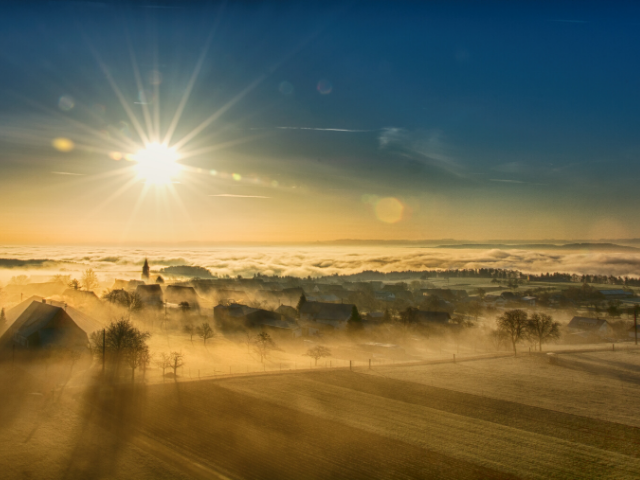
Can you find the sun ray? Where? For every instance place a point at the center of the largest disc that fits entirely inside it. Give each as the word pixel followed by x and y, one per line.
pixel 192 81
pixel 112 197
pixel 96 133
pixel 188 137
pixel 221 146
pixel 184 210
pixel 136 73
pixel 121 98
pixel 134 212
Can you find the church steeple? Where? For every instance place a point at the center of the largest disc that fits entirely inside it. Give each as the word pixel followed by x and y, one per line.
pixel 145 270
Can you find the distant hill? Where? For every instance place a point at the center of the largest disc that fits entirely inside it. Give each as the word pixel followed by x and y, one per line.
pixel 544 246
pixel 187 271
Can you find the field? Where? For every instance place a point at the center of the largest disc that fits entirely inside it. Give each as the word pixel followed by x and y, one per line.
pixel 524 417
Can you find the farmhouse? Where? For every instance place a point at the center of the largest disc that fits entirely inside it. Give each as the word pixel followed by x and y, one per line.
pixel 178 294
pixel 325 315
pixel 592 325
pixel 236 317
pixel 150 295
pixel 616 294
pixel 39 323
pixel 80 296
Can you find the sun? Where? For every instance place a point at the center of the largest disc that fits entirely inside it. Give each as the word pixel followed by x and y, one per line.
pixel 157 164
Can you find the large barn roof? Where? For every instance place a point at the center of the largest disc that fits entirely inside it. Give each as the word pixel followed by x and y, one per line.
pixel 33 313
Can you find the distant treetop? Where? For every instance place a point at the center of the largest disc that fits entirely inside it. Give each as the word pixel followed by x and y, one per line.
pixel 187 271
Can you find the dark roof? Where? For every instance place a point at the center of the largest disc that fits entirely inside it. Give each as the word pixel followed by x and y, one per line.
pixel 81 295
pixel 586 323
pixel 150 294
pixel 618 292
pixel 178 293
pixel 34 314
pixel 327 311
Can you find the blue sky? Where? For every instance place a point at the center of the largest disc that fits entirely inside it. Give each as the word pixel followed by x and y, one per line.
pixel 482 119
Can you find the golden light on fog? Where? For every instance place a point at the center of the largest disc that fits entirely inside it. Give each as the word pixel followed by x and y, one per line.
pixel 63 144
pixel 389 210
pixel 157 164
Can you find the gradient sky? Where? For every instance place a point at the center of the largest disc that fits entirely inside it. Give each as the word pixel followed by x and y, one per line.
pixel 372 120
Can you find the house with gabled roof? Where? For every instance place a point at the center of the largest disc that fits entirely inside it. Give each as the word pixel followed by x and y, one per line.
pixel 333 316
pixel 150 295
pixel 39 323
pixel 592 325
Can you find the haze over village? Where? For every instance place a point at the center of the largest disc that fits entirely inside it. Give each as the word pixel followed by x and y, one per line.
pixel 278 240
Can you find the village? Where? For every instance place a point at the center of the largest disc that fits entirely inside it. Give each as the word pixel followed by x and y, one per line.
pixel 432 314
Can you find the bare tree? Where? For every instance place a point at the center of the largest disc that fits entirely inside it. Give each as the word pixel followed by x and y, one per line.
pixel 513 323
pixel 90 280
pixel 137 355
pixel 497 337
pixel 75 284
pixel 247 339
pixel 19 280
pixel 318 352
pixel 65 279
pixel 164 361
pixel 176 360
pixel 190 330
pixel 542 328
pixel 263 343
pixel 205 332
pixel 475 309
pixel 120 337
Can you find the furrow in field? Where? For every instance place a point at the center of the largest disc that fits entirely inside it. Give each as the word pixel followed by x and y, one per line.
pixel 518 452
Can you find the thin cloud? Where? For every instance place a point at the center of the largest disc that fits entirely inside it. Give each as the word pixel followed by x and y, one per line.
pixel 519 182
pixel 504 181
pixel 68 173
pixel 324 129
pixel 566 21
pixel 237 196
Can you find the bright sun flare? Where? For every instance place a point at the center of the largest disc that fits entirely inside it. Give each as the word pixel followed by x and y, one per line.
pixel 157 164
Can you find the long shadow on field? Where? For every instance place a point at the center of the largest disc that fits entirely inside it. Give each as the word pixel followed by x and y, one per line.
pixel 108 417
pixel 588 366
pixel 623 365
pixel 16 387
pixel 254 438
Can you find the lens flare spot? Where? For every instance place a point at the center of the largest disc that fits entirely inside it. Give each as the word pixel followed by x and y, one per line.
pixel 324 87
pixel 157 164
pixel 115 156
pixel 66 103
pixel 389 210
pixel 213 173
pixel 285 88
pixel 236 176
pixel 63 144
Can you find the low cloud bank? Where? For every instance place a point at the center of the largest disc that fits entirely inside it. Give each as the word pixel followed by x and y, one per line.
pixel 320 261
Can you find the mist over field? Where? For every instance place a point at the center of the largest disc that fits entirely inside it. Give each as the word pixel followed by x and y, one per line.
pixel 314 261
